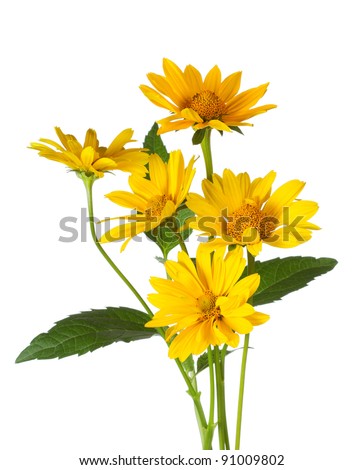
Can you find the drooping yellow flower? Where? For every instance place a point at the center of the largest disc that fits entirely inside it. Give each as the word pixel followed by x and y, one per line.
pixel 90 158
pixel 199 103
pixel 206 304
pixel 154 199
pixel 244 212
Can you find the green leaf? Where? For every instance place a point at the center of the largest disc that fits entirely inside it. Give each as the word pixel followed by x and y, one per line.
pixel 165 235
pixel 202 363
pixel 236 129
pixel 189 365
pixel 281 276
pixel 87 331
pixel 154 143
pixel 198 136
pixel 203 360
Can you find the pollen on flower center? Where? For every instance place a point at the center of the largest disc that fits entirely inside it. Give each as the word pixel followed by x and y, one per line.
pixel 156 206
pixel 207 105
pixel 207 304
pixel 249 216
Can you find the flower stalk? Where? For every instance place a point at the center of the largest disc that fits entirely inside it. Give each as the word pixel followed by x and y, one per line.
pixel 88 182
pixel 221 408
pixel 211 423
pixel 207 154
pixel 250 270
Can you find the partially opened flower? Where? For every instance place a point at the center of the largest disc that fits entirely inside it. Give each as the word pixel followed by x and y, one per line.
pixel 154 199
pixel 200 103
pixel 206 305
pixel 92 159
pixel 244 212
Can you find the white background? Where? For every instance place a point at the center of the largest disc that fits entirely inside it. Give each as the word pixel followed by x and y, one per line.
pixel 78 64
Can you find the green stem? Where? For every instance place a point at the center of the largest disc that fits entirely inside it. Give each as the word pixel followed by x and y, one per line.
pixel 211 423
pixel 221 412
pixel 201 420
pixel 250 270
pixel 88 181
pixel 206 150
pixel 223 355
pixel 195 395
pixel 181 242
pixel 241 393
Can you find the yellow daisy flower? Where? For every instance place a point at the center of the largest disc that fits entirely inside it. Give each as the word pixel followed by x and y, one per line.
pixel 199 103
pixel 206 304
pixel 244 212
pixel 154 199
pixel 90 157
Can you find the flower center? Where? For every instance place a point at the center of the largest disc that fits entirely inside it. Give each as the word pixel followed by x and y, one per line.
pixel 155 206
pixel 249 216
pixel 206 303
pixel 207 105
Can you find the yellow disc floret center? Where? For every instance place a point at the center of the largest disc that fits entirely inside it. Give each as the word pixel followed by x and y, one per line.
pixel 155 206
pixel 207 105
pixel 249 216
pixel 207 305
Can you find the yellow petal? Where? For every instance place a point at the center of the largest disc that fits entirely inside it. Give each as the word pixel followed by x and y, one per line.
pixel 214 195
pixel 201 207
pixel 302 210
pixel 258 318
pixel 203 266
pixel 50 142
pixel 87 157
pixel 185 276
pixel 215 124
pixel 230 86
pixel 174 126
pixel 175 172
pixel 247 114
pixel 157 99
pixel 188 177
pixel 104 164
pixel 163 86
pixel 118 143
pixel 166 286
pixel 176 78
pixel 126 199
pixel 144 188
pixel 91 139
pixel 255 249
pixel 193 79
pixel 282 197
pixel 168 210
pixel 288 237
pixel 191 115
pixel 158 173
pixel 131 167
pixel 246 99
pixel 212 80
pixel 235 264
pixel 232 191
pixel 65 138
pixel 241 325
pixel 75 147
pixel 186 343
pixel 123 231
pixel 232 339
pixel 246 286
pixel 263 188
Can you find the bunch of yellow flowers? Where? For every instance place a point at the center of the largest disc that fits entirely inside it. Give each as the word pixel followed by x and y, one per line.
pixel 207 300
